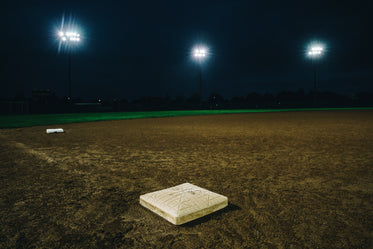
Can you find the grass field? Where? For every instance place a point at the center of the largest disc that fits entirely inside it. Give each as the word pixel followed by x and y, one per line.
pixel 17 121
pixel 294 180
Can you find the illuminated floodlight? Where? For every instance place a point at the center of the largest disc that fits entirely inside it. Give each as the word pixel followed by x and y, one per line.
pixel 315 50
pixel 200 53
pixel 69 36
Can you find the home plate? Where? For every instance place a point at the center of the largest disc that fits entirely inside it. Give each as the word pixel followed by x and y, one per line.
pixel 58 130
pixel 183 203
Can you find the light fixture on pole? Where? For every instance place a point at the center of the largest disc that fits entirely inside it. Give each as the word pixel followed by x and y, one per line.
pixel 200 53
pixel 69 38
pixel 315 51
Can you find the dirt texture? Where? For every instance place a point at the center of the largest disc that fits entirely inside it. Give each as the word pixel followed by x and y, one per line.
pixel 293 180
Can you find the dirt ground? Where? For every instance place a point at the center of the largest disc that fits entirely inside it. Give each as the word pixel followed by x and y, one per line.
pixel 293 179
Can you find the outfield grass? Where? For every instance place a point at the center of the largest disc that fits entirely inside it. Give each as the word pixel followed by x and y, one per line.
pixel 17 121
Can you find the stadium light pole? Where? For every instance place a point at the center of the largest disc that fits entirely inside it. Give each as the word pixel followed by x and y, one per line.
pixel 69 38
pixel 200 54
pixel 315 51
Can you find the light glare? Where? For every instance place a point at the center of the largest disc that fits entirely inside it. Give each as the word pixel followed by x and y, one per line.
pixel 315 50
pixel 199 53
pixel 69 36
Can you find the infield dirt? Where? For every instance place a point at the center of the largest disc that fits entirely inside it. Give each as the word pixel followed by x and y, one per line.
pixel 293 180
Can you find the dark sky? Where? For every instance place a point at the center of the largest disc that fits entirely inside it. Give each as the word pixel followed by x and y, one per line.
pixel 136 48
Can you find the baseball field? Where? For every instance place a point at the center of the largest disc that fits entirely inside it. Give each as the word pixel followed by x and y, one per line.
pixel 299 179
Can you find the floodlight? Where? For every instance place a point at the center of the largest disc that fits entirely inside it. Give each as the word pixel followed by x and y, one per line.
pixel 315 50
pixel 69 38
pixel 200 53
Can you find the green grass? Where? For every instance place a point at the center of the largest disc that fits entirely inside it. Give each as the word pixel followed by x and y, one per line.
pixel 17 121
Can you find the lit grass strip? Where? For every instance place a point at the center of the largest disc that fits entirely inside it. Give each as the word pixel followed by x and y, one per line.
pixel 17 121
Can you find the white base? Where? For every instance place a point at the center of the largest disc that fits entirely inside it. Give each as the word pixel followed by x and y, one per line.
pixel 183 203
pixel 58 130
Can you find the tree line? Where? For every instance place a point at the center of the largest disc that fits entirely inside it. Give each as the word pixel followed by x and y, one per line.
pixel 47 102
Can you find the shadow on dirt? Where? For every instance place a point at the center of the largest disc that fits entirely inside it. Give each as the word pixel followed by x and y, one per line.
pixel 216 215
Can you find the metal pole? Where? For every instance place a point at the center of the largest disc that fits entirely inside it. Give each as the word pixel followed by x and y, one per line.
pixel 69 71
pixel 200 81
pixel 314 82
pixel 314 74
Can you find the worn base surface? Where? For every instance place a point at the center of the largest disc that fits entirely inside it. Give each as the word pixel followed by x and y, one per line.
pixel 183 203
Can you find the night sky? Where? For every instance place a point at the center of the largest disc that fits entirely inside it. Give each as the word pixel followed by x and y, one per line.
pixel 144 48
